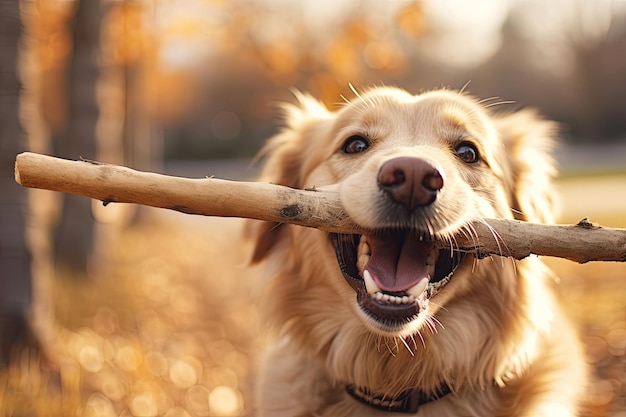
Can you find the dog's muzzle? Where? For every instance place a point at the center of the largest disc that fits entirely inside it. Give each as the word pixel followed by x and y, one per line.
pixel 396 272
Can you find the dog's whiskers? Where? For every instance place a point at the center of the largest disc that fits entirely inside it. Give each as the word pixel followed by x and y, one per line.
pixel 469 231
pixel 516 211
pixel 484 100
pixel 414 342
pixel 497 238
pixel 474 265
pixel 462 90
pixel 499 103
pixel 345 99
pixel 406 345
pixel 431 228
pixel 439 306
pixel 436 320
pixel 452 239
pixel 431 325
pixel 514 265
pixel 369 101
pixel 389 348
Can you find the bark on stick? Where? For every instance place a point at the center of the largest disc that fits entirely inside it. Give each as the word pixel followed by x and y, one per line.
pixel 319 208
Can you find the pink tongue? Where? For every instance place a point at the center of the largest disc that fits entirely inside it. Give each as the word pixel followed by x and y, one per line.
pixel 398 261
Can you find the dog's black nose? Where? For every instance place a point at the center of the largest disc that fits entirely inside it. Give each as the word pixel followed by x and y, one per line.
pixel 410 181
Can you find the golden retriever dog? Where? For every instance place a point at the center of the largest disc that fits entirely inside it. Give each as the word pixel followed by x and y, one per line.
pixel 385 322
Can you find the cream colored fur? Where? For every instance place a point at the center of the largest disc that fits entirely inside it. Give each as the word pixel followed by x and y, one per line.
pixel 495 334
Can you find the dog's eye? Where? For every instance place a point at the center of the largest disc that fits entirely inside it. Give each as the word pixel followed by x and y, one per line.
pixel 355 144
pixel 468 153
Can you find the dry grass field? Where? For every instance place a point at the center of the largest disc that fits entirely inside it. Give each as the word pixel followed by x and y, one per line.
pixel 168 326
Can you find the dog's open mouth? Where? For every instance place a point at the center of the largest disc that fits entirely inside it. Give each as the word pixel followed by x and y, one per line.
pixel 394 273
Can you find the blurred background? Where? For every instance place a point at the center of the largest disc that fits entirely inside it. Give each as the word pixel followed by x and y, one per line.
pixel 122 310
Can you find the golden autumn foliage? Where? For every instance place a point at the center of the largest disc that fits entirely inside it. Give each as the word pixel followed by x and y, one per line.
pixel 130 36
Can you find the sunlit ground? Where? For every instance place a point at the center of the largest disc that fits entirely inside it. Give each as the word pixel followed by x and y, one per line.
pixel 168 327
pixel 164 331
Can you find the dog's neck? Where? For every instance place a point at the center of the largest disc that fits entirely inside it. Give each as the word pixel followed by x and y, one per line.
pixel 406 402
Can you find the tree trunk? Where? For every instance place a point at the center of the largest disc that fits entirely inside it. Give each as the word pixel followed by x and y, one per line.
pixel 15 259
pixel 73 240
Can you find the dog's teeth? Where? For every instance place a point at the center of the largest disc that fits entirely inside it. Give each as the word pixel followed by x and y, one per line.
pixel 393 299
pixel 418 288
pixel 363 255
pixel 361 262
pixel 364 247
pixel 370 285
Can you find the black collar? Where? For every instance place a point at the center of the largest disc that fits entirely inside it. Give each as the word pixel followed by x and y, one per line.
pixel 406 402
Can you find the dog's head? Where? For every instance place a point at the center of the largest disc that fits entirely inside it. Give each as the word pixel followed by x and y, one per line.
pixel 412 170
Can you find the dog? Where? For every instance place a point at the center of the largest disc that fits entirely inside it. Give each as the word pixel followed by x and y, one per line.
pixel 388 322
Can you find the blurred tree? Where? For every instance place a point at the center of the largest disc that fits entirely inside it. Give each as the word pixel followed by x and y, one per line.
pixel 15 258
pixel 127 39
pixel 126 134
pixel 597 46
pixel 73 238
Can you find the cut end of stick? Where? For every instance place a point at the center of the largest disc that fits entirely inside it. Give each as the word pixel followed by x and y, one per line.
pixel 18 178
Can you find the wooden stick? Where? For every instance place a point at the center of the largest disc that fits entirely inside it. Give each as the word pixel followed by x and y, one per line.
pixel 319 208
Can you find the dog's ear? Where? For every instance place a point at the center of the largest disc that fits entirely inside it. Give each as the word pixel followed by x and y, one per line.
pixel 284 155
pixel 528 144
